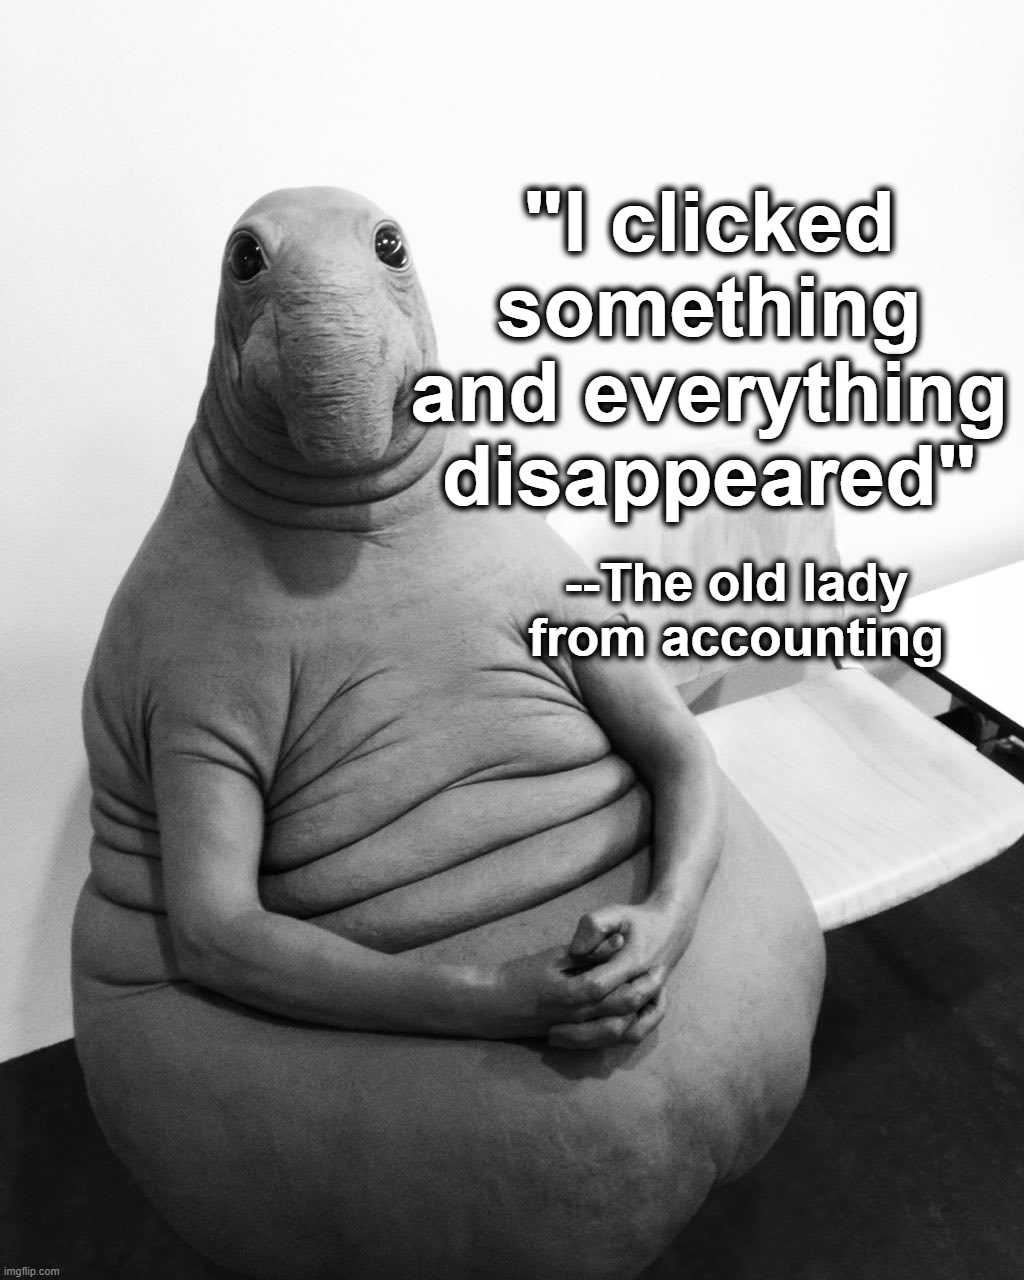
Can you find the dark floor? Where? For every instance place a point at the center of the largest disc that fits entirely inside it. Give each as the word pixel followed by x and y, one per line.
pixel 905 1160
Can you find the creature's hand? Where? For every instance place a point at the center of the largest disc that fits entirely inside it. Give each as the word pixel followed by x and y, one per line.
pixel 632 950
pixel 539 995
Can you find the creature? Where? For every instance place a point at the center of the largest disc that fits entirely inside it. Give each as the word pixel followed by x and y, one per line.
pixel 384 966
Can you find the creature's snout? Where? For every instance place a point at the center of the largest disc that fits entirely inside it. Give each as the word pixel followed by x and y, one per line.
pixel 342 367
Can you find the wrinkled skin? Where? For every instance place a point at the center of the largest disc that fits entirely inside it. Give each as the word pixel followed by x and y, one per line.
pixel 308 388
pixel 308 612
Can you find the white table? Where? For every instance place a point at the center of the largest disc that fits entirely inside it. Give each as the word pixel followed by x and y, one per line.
pixel 874 801
pixel 983 656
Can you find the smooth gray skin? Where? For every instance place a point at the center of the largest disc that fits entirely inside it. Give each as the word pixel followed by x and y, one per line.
pixel 306 610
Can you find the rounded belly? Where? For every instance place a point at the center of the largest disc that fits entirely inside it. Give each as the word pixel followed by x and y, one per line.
pixel 378 1138
pixel 477 877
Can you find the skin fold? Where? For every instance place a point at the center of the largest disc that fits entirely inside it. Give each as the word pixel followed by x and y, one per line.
pixel 340 811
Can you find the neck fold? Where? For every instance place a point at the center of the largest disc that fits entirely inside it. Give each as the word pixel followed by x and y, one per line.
pixel 281 487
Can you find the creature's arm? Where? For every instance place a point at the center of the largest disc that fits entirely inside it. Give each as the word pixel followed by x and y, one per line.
pixel 211 833
pixel 649 726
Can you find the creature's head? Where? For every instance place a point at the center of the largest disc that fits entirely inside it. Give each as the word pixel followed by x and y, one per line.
pixel 321 330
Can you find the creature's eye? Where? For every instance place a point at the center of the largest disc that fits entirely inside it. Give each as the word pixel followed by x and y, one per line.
pixel 245 257
pixel 389 246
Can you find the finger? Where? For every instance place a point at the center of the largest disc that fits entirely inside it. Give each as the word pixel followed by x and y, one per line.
pixel 595 984
pixel 593 928
pixel 602 952
pixel 629 998
pixel 607 948
pixel 647 1019
pixel 589 1035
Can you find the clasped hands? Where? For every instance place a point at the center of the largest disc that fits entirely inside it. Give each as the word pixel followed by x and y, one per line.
pixel 606 988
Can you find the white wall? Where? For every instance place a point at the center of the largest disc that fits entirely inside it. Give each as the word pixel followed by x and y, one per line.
pixel 134 134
